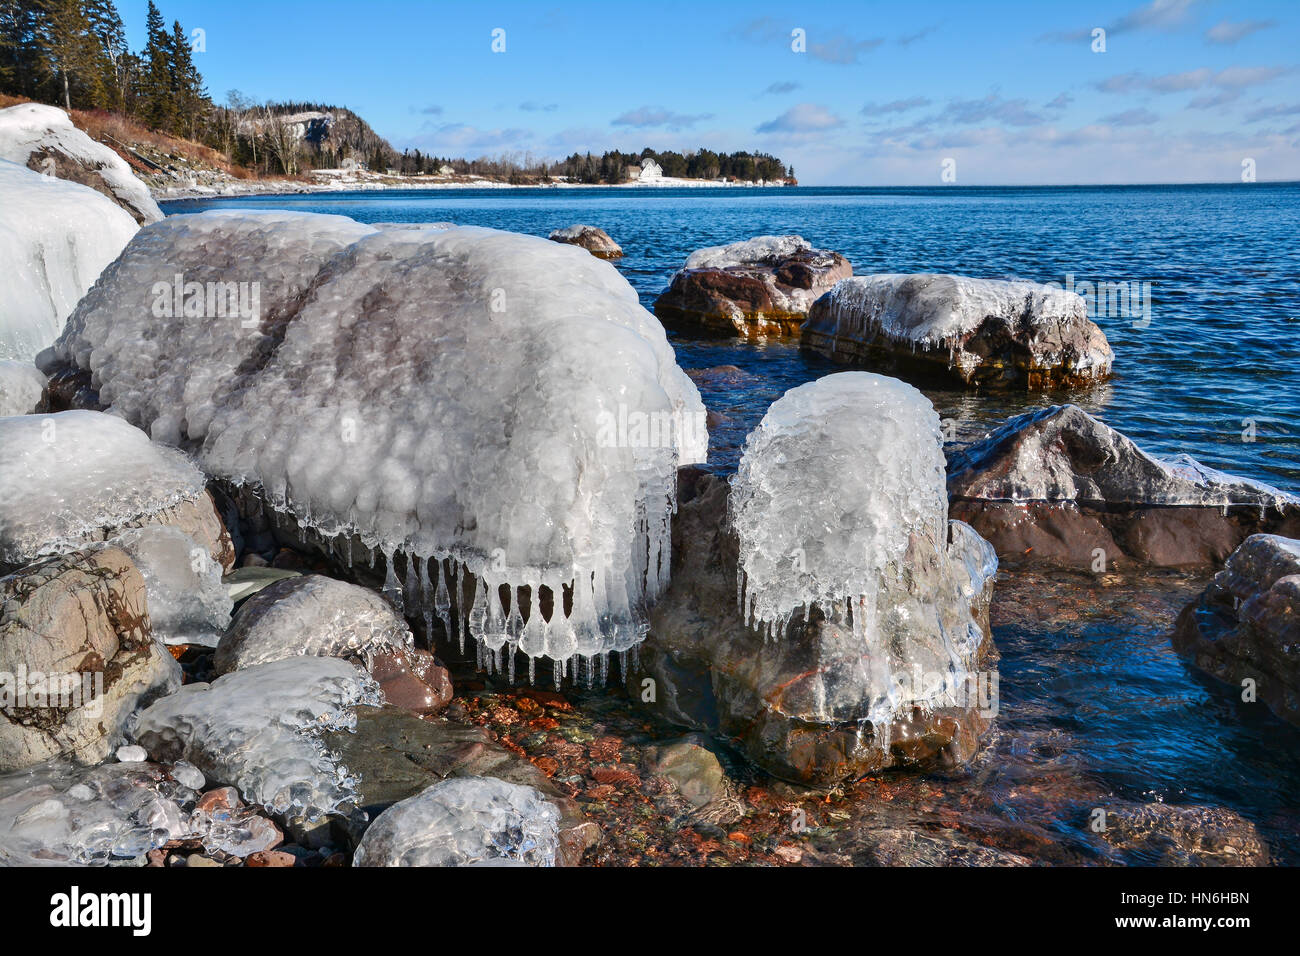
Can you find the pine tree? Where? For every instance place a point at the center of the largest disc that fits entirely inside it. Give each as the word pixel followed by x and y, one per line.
pixel 72 52
pixel 157 107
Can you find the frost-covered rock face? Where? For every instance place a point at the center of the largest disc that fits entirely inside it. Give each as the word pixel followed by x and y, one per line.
pixel 467 821
pixel 258 730
pixel 979 331
pixel 864 640
pixel 497 403
pixel 77 657
pixel 592 238
pixel 762 286
pixel 55 239
pixel 311 616
pixel 73 478
pixel 21 384
pixel 1059 486
pixel 43 139
pixel 188 604
pixel 1246 623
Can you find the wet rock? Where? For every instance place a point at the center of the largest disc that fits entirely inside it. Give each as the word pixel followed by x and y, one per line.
pixel 1058 486
pixel 412 680
pixel 692 767
pixel 762 286
pixel 397 755
pixel 708 671
pixel 271 858
pixel 592 238
pixel 1162 834
pixel 895 846
pixel 980 332
pixel 80 621
pixel 251 578
pixel 1245 625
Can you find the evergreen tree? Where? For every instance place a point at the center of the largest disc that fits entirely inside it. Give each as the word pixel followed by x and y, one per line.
pixel 72 53
pixel 157 108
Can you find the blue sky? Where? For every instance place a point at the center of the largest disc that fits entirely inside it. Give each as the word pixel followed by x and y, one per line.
pixel 882 95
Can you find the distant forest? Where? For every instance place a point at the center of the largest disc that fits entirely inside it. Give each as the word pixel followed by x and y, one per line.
pixel 74 54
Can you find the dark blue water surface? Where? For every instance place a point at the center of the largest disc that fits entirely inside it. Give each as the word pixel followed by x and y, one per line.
pixel 1096 708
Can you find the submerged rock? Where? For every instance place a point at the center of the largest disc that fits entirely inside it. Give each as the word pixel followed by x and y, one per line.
pixel 592 238
pixel 464 822
pixel 454 451
pixel 259 729
pixel 762 286
pixel 690 765
pixel 21 385
pixel 76 658
pixel 869 644
pixel 983 332
pixel 43 139
pixel 1058 486
pixel 55 239
pixel 78 477
pixel 1162 834
pixel 1245 625
pixel 397 755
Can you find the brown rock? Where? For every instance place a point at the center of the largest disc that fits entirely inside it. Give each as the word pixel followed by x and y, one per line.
pixel 272 858
pixel 593 239
pixel 412 680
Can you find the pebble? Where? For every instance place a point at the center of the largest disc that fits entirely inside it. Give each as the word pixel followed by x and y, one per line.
pixel 183 772
pixel 132 753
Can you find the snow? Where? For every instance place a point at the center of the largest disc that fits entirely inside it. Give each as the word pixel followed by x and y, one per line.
pixel 932 309
pixel 466 821
pixel 56 237
pixel 447 394
pixel 21 385
pixel 72 478
pixel 761 250
pixel 258 730
pixel 31 127
pixel 188 604
pixel 315 616
pixel 840 502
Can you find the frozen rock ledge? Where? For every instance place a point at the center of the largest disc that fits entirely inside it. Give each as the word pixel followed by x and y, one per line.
pixel 981 332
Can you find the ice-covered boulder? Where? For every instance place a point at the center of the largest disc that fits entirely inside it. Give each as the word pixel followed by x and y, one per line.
pixel 984 332
pixel 56 237
pixel 861 638
pixel 1058 486
pixel 311 616
pixel 188 603
pixel 466 821
pixel 592 238
pixel 1245 625
pixel 497 408
pixel 76 657
pixel 43 139
pixel 73 478
pixel 761 286
pixel 258 729
pixel 21 385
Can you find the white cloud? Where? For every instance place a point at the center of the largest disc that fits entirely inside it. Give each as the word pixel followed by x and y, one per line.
pixel 802 119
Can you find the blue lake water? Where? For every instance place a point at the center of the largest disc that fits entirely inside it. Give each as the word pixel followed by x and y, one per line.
pixel 1095 704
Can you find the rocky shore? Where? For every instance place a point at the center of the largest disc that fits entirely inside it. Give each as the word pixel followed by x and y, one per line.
pixel 283 595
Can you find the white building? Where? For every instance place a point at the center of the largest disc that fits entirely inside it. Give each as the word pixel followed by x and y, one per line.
pixel 650 170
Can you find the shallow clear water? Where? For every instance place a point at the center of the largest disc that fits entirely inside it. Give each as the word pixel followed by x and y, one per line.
pixel 1096 707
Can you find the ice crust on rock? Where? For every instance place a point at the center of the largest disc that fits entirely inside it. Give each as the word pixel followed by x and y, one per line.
pixel 77 477
pixel 56 237
pixel 464 821
pixel 48 133
pixel 258 730
pixel 188 604
pixel 760 250
pixel 311 616
pixel 58 814
pixel 461 396
pixel 839 503
pixel 21 385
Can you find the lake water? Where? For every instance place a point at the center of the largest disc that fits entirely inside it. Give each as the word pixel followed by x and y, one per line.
pixel 1096 710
